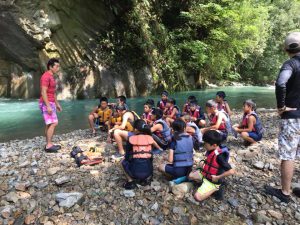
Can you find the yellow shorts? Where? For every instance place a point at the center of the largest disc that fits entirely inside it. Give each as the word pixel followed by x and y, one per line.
pixel 207 186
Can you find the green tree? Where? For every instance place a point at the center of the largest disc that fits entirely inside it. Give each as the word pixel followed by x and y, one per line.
pixel 187 42
pixel 283 18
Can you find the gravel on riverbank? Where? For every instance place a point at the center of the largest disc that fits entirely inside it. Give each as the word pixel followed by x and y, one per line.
pixel 40 188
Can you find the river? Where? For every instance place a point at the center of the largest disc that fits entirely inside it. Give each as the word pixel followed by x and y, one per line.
pixel 21 119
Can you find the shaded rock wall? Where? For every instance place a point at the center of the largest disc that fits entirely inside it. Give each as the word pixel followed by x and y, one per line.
pixel 34 31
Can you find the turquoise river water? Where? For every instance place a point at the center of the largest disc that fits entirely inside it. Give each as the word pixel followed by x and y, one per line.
pixel 21 119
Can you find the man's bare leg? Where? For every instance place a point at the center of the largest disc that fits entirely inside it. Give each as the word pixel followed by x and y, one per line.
pixel 49 134
pixel 287 171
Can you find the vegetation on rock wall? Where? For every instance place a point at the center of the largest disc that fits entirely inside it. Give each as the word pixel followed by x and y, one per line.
pixel 186 42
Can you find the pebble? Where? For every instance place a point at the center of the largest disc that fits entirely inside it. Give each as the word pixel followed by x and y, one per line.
pixel 52 171
pixel 6 212
pixel 233 202
pixel 178 210
pixel 154 207
pixel 259 165
pixel 154 221
pixel 30 219
pixel 12 197
pixel 21 186
pixel 297 216
pixel 62 180
pixel 260 217
pixel 129 193
pixel 24 164
pixel 180 190
pixel 242 212
pixel 259 198
pixel 69 199
pixel 277 215
pixel 41 185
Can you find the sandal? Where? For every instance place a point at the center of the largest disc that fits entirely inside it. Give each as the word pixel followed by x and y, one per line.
pixel 129 185
pixel 85 160
pixel 75 151
pixel 88 161
pixel 52 149
pixel 80 158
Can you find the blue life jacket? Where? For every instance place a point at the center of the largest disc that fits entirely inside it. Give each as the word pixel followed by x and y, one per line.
pixel 166 132
pixel 183 152
pixel 198 134
pixel 258 125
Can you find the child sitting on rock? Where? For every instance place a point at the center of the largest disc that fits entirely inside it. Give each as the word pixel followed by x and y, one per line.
pixel 171 111
pixel 161 132
pixel 147 113
pixel 121 101
pixel 193 130
pixel 162 103
pixel 217 119
pixel 250 129
pixel 180 158
pixel 138 162
pixel 222 103
pixel 214 168
pixel 186 106
pixel 100 116
pixel 150 102
pixel 197 115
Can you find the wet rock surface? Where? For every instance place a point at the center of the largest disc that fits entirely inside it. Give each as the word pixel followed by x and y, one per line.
pixel 32 181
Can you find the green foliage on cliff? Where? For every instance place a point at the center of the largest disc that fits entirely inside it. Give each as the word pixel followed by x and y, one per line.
pixel 187 42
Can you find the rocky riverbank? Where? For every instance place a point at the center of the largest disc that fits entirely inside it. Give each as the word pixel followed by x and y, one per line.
pixel 40 188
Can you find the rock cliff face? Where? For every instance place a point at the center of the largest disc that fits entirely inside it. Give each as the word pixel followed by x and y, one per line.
pixel 34 31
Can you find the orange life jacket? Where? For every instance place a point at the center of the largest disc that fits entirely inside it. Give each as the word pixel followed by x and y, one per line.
pixel 141 146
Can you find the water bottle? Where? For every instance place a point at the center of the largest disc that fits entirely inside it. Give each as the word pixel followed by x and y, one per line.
pixel 180 180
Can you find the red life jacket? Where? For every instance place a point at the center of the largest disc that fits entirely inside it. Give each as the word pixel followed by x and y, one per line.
pixel 245 121
pixel 195 114
pixel 186 108
pixel 147 116
pixel 162 104
pixel 211 165
pixel 213 118
pixel 141 146
pixel 170 110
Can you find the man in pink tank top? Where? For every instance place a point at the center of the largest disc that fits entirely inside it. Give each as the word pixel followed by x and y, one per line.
pixel 48 103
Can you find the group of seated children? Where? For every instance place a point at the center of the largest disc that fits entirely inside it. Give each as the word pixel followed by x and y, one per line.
pixel 165 127
pixel 105 115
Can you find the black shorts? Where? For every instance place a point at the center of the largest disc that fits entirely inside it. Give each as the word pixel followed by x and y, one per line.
pixel 224 134
pixel 139 169
pixel 176 172
pixel 161 142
